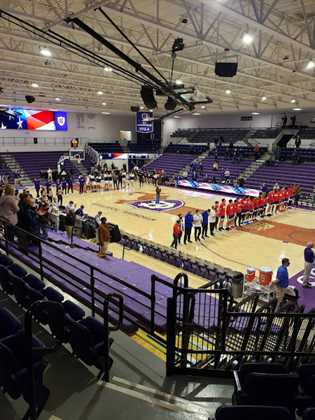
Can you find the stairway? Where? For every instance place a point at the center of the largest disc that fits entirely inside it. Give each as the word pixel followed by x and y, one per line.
pixel 252 168
pixel 199 159
pixel 14 166
pixel 247 138
pixel 79 167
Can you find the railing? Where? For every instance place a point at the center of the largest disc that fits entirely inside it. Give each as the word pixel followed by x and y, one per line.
pixel 88 283
pixel 206 341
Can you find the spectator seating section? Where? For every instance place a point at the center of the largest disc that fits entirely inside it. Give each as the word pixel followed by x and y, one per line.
pixel 85 334
pixel 197 266
pixel 309 414
pixel 170 165
pixel 242 151
pixel 149 147
pixel 273 384
pixel 294 154
pixel 34 162
pixel 285 173
pixel 307 133
pixel 265 133
pixel 235 168
pixel 209 135
pixel 185 148
pixel 104 148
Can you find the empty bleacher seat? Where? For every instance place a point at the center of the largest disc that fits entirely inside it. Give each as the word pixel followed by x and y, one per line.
pixel 87 339
pixel 252 413
pixel 9 323
pixel 309 414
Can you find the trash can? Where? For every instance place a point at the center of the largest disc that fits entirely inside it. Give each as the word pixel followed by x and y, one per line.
pixel 237 285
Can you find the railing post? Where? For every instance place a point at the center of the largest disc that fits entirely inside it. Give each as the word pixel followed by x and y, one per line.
pixel 92 285
pixel 40 254
pixel 106 339
pixel 170 336
pixel 153 300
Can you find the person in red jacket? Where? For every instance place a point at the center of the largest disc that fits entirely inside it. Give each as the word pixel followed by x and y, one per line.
pixel 221 212
pixel 177 233
pixel 230 212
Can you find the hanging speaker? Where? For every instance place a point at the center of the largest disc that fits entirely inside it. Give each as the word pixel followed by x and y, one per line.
pixel 147 95
pixel 134 108
pixel 35 140
pixel 170 104
pixel 226 69
pixel 29 99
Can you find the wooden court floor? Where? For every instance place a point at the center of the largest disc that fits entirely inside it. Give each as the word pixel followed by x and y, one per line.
pixel 261 244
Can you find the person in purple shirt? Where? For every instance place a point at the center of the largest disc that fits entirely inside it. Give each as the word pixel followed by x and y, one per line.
pixel 37 186
pixel 309 259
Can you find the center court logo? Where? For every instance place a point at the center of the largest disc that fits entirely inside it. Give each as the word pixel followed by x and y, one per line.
pixel 163 205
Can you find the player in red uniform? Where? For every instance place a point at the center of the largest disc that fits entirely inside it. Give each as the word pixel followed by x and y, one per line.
pixel 230 213
pixel 221 213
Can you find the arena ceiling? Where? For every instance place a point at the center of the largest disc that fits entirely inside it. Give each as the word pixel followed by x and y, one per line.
pixel 276 70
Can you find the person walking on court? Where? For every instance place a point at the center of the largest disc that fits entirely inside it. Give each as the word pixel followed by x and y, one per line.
pixel 197 225
pixel 282 281
pixel 309 259
pixel 177 232
pixel 205 221
pixel 188 226
pixel 103 238
pixel 181 221
pixel 212 220
pixel 157 194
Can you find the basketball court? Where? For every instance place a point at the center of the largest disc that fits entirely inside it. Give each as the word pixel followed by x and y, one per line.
pixel 263 243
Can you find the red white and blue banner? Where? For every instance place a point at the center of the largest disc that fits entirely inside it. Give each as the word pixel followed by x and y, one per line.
pixel 31 119
pixel 218 188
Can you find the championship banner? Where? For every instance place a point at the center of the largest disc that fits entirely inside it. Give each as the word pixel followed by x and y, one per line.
pixel 218 188
pixel 144 122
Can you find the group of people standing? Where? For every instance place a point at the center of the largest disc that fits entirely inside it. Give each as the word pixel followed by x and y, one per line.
pixel 229 214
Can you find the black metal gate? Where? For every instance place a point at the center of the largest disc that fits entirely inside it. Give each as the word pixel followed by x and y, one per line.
pixel 210 334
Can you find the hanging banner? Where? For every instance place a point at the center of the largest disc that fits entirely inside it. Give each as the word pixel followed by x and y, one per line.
pixel 144 123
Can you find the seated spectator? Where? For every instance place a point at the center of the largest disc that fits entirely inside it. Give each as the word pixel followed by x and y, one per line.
pixel 227 176
pixel 215 165
pixel 80 211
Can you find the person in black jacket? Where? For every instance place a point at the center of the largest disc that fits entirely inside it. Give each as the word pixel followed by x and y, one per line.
pixel 27 221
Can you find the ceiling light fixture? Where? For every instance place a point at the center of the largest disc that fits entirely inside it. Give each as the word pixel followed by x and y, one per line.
pixel 255 113
pixel 177 116
pixel 57 99
pixel 195 114
pixel 178 82
pixel 35 85
pixel 203 107
pixel 104 103
pixel 297 109
pixel 45 52
pixel 247 39
pixel 293 101
pixel 264 98
pixel 310 65
pixel 105 113
pixel 228 92
pixel 108 69
pixel 141 107
pixel 100 92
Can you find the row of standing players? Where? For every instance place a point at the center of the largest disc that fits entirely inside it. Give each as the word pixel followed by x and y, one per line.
pixel 227 215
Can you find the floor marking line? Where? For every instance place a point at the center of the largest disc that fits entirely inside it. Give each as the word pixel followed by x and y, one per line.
pixel 168 397
pixel 153 401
